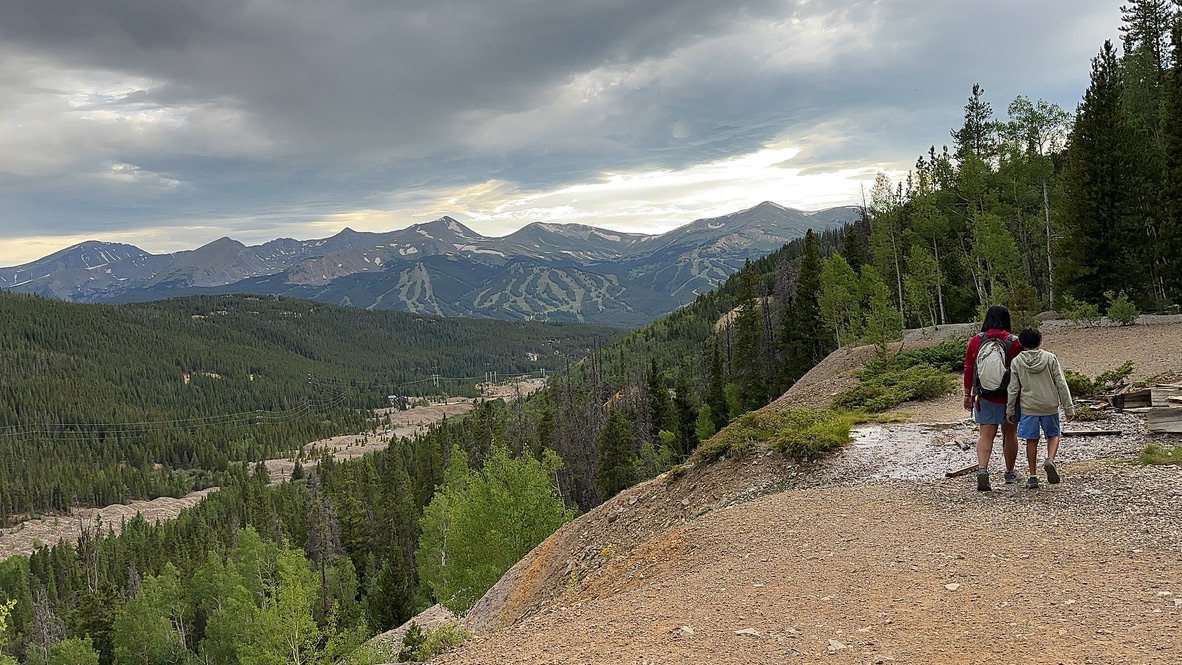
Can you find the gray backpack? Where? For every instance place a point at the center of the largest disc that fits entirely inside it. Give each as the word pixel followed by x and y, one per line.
pixel 992 376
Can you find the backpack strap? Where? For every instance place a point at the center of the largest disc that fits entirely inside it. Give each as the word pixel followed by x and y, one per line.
pixel 981 337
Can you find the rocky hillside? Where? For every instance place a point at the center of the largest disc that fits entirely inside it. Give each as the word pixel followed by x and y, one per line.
pixel 549 272
pixel 868 556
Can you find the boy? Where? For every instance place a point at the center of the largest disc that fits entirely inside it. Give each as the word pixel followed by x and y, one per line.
pixel 1037 382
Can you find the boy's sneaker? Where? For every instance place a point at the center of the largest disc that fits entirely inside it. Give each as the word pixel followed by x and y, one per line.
pixel 983 481
pixel 1012 477
pixel 1032 483
pixel 1052 472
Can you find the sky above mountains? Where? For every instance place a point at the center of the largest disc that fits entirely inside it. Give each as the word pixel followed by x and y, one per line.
pixel 170 124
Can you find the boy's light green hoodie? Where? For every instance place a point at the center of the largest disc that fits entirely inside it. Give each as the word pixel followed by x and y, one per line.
pixel 1036 379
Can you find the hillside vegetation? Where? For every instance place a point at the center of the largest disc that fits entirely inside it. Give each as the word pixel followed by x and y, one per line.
pixel 101 404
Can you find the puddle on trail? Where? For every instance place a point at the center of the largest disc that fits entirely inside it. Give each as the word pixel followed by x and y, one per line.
pixel 928 450
pixel 911 452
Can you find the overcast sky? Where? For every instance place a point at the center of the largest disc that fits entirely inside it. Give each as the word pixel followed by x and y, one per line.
pixel 170 123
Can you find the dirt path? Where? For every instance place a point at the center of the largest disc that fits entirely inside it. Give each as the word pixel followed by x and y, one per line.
pixel 868 557
pixel 876 573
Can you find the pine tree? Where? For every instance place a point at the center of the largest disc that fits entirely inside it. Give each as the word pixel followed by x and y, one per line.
pixel 1168 252
pixel 977 138
pixel 807 339
pixel 686 414
pixel 716 390
pixel 748 361
pixel 853 247
pixel 660 405
pixel 617 459
pixel 1106 187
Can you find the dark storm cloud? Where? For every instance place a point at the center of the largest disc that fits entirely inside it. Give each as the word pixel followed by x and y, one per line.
pixel 353 74
pixel 275 110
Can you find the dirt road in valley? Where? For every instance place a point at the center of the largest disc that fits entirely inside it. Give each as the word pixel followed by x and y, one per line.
pixel 393 424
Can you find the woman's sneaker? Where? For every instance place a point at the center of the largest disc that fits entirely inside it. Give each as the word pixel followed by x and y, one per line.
pixel 1052 472
pixel 983 481
pixel 1032 483
pixel 1012 477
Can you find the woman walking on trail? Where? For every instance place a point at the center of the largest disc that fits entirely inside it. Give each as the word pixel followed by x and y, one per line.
pixel 986 379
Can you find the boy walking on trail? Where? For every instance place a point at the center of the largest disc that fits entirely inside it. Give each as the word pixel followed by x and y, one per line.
pixel 1037 382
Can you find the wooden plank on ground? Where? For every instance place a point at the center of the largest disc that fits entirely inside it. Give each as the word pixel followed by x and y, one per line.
pixel 1166 419
pixel 1133 399
pixel 1160 395
pixel 961 472
pixel 1094 432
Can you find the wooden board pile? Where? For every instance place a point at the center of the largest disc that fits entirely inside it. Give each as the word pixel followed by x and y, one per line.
pixel 1161 404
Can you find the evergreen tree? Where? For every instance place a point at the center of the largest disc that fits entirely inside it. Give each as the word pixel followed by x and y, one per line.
pixel 853 246
pixel 686 414
pixel 807 337
pixel 716 390
pixel 977 138
pixel 660 405
pixel 617 459
pixel 1168 252
pixel 1105 185
pixel 748 361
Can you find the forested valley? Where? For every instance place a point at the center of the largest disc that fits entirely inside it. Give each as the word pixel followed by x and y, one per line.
pixel 1045 208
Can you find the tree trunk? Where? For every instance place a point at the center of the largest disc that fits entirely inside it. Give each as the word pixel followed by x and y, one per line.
pixel 939 280
pixel 1046 207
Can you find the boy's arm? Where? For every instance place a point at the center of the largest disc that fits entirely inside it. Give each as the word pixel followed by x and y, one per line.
pixel 1064 391
pixel 1012 391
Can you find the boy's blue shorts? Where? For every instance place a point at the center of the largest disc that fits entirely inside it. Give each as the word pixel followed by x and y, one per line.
pixel 992 413
pixel 1029 425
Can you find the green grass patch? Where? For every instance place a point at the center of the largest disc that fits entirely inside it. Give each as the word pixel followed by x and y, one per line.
pixel 796 433
pixel 1087 414
pixel 1155 454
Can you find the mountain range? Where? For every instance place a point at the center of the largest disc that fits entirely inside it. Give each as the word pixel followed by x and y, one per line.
pixel 544 271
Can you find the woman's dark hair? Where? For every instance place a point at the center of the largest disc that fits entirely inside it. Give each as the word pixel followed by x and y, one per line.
pixel 997 318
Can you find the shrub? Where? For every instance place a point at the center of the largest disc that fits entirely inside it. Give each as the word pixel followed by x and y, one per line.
pixel 806 434
pixel 1079 384
pixel 947 355
pixel 371 654
pixel 884 387
pixel 428 643
pixel 1114 378
pixel 1121 309
pixel 1079 312
pixel 798 433
pixel 737 439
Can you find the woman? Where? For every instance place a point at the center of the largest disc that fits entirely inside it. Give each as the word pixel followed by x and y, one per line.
pixel 989 411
